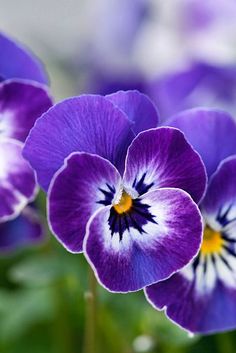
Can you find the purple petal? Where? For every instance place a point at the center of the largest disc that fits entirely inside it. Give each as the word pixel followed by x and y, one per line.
pixel 88 123
pixel 84 184
pixel 199 85
pixel 220 200
pixel 23 231
pixel 21 103
pixel 144 252
pixel 197 312
pixel 138 107
pixel 163 158
pixel 18 62
pixel 17 180
pixel 211 132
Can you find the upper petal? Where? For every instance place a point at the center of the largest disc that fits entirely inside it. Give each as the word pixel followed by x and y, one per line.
pixel 158 236
pixel 21 103
pixel 17 180
pixel 89 123
pixel 18 62
pixel 138 107
pixel 163 158
pixel 84 184
pixel 211 132
pixel 219 204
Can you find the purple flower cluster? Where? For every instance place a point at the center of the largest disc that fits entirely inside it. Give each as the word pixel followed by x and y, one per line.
pixel 151 208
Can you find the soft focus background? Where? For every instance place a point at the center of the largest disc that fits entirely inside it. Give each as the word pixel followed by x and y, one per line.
pixel 99 47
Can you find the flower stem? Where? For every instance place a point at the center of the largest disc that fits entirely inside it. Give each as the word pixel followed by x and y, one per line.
pixel 90 314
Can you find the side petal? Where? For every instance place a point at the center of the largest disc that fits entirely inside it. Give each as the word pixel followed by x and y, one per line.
pixel 17 180
pixel 212 133
pixel 219 204
pixel 84 184
pixel 159 237
pixel 23 231
pixel 138 107
pixel 87 123
pixel 21 103
pixel 163 158
pixel 18 62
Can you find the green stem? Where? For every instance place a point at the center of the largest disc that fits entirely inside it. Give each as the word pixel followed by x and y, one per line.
pixel 90 314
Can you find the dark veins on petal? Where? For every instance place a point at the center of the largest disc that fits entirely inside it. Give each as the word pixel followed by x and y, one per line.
pixel 140 186
pixel 108 195
pixel 135 218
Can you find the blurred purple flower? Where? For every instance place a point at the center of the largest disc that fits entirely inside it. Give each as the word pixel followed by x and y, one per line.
pixel 201 84
pixel 136 229
pixel 22 101
pixel 23 231
pixel 202 297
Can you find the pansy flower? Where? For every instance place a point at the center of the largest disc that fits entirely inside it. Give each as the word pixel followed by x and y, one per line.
pixel 118 193
pixel 22 101
pixel 202 296
pixel 199 84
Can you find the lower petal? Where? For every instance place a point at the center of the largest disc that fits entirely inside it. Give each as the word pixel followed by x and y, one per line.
pixel 157 239
pixel 23 231
pixel 195 311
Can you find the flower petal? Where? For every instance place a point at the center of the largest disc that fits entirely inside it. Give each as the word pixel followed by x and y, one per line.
pixel 88 123
pixel 138 107
pixel 211 132
pixel 18 62
pixel 163 158
pixel 21 103
pixel 23 231
pixel 197 312
pixel 145 251
pixel 84 184
pixel 17 180
pixel 219 204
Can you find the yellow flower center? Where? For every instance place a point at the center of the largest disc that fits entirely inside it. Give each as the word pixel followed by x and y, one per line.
pixel 212 242
pixel 125 203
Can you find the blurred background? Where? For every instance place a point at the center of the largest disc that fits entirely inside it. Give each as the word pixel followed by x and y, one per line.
pixel 182 53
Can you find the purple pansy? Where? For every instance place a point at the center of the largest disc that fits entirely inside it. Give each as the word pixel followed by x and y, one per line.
pixel 21 103
pixel 23 231
pixel 115 191
pixel 200 84
pixel 202 296
pixel 17 62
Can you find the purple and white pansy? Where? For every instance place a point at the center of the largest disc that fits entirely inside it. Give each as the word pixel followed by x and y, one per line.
pixel 202 296
pixel 23 98
pixel 119 194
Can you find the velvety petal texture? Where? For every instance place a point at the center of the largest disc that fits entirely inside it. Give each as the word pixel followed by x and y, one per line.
pixel 23 231
pixel 84 184
pixel 21 103
pixel 163 158
pixel 160 235
pixel 18 62
pixel 210 132
pixel 138 107
pixel 202 297
pixel 17 180
pixel 88 123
